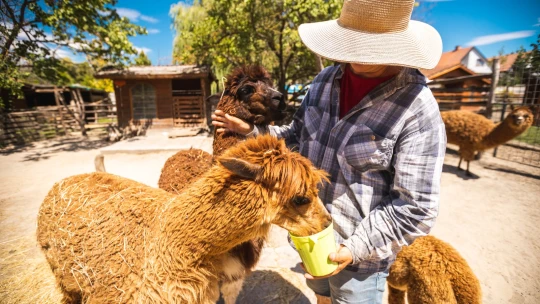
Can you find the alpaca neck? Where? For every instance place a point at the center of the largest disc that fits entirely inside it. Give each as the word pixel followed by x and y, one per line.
pixel 501 133
pixel 223 141
pixel 211 217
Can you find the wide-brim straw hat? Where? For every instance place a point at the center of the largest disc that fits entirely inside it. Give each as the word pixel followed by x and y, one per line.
pixel 375 32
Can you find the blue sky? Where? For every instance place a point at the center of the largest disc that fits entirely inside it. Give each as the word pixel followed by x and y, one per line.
pixel 487 24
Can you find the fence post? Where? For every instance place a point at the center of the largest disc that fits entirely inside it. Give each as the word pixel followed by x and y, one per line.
pixel 503 111
pixel 496 67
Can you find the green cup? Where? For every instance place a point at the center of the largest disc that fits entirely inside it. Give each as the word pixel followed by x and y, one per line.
pixel 314 251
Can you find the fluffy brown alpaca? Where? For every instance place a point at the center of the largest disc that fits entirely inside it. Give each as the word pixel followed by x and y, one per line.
pixel 248 94
pixel 110 239
pixel 473 132
pixel 430 271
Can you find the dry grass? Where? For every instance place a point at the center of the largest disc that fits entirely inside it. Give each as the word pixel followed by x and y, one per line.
pixel 25 275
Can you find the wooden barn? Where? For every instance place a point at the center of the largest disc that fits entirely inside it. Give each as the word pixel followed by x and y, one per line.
pixel 169 96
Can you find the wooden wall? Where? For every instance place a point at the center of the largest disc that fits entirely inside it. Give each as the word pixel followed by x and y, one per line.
pixel 164 100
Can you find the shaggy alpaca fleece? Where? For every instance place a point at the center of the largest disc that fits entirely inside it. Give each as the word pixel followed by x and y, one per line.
pixel 430 271
pixel 110 239
pixel 183 168
pixel 249 95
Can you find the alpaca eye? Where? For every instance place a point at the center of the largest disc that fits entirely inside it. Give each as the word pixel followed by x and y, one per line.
pixel 300 200
pixel 244 92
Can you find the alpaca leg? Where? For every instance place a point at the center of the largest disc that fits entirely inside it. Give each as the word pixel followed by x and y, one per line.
pixel 231 289
pixel 395 296
pixel 468 172
pixel 459 164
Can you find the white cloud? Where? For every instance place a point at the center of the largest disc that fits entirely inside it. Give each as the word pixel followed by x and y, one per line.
pixel 538 24
pixel 142 49
pixel 153 31
pixel 489 39
pixel 149 19
pixel 134 15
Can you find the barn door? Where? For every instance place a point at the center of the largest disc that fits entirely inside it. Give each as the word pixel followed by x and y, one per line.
pixel 188 111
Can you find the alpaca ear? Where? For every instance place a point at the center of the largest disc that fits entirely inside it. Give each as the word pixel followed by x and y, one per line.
pixel 241 167
pixel 512 107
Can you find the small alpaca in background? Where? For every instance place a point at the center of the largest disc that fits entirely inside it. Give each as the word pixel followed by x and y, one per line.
pixel 430 271
pixel 473 132
pixel 109 239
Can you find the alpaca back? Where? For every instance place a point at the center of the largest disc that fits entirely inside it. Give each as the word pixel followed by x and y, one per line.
pixel 466 127
pixel 94 230
pixel 435 272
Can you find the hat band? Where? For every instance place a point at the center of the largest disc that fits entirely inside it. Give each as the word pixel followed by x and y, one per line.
pixel 370 31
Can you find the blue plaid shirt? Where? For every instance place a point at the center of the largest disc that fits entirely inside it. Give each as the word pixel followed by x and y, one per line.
pixel 384 159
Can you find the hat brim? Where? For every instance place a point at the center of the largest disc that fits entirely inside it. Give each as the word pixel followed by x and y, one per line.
pixel 420 46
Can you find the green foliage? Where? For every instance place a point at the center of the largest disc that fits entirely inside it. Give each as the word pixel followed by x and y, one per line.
pixel 142 60
pixel 64 72
pixel 230 33
pixel 30 30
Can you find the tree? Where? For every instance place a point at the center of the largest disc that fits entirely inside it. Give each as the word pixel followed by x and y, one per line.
pixel 33 31
pixel 142 59
pixel 230 33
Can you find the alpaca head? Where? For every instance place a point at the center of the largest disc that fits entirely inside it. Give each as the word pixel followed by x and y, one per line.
pixel 249 95
pixel 521 118
pixel 285 183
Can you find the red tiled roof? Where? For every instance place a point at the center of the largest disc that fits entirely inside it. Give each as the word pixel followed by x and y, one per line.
pixel 449 61
pixel 509 60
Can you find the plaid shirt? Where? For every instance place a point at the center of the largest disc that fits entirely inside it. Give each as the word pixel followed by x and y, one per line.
pixel 384 159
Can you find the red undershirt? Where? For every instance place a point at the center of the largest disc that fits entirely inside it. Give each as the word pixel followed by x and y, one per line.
pixel 354 88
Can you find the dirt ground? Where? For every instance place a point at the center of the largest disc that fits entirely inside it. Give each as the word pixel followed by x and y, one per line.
pixel 491 219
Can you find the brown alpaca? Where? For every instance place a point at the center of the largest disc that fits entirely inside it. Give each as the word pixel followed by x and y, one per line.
pixel 249 95
pixel 430 271
pixel 473 132
pixel 110 239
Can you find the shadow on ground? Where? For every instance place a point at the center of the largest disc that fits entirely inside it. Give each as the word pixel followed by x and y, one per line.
pixel 459 173
pixel 43 150
pixel 511 171
pixel 268 286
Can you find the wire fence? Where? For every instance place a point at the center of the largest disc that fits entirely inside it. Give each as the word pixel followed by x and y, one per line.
pixel 519 86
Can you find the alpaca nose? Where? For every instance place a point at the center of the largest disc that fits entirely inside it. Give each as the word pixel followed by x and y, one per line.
pixel 278 101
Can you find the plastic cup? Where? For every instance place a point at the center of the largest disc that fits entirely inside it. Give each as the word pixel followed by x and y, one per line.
pixel 314 251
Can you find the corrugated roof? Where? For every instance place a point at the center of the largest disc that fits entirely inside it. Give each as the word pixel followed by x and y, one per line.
pixel 449 61
pixel 170 71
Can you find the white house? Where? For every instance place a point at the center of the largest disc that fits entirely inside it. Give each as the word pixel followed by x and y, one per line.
pixel 459 62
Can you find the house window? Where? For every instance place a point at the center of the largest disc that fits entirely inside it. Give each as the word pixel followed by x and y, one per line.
pixel 143 97
pixel 479 62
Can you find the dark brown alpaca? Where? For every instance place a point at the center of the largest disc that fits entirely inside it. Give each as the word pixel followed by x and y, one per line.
pixel 249 95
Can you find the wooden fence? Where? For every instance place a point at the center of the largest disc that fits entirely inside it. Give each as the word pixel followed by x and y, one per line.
pixel 43 123
pixel 19 128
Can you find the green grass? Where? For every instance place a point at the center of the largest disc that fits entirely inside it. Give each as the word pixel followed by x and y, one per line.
pixel 105 120
pixel 531 136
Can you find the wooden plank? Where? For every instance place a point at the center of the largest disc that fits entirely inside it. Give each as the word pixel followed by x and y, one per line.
pixel 461 90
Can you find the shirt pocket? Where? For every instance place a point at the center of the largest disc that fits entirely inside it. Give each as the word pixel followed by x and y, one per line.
pixel 365 150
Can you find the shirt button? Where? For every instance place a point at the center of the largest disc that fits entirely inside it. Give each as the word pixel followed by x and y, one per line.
pixel 372 137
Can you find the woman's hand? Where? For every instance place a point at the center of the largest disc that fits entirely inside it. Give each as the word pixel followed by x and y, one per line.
pixel 343 257
pixel 227 123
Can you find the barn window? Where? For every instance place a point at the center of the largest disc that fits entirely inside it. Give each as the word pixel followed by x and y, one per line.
pixel 144 101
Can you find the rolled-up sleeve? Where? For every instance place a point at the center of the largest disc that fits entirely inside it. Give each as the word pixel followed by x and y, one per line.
pixel 410 209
